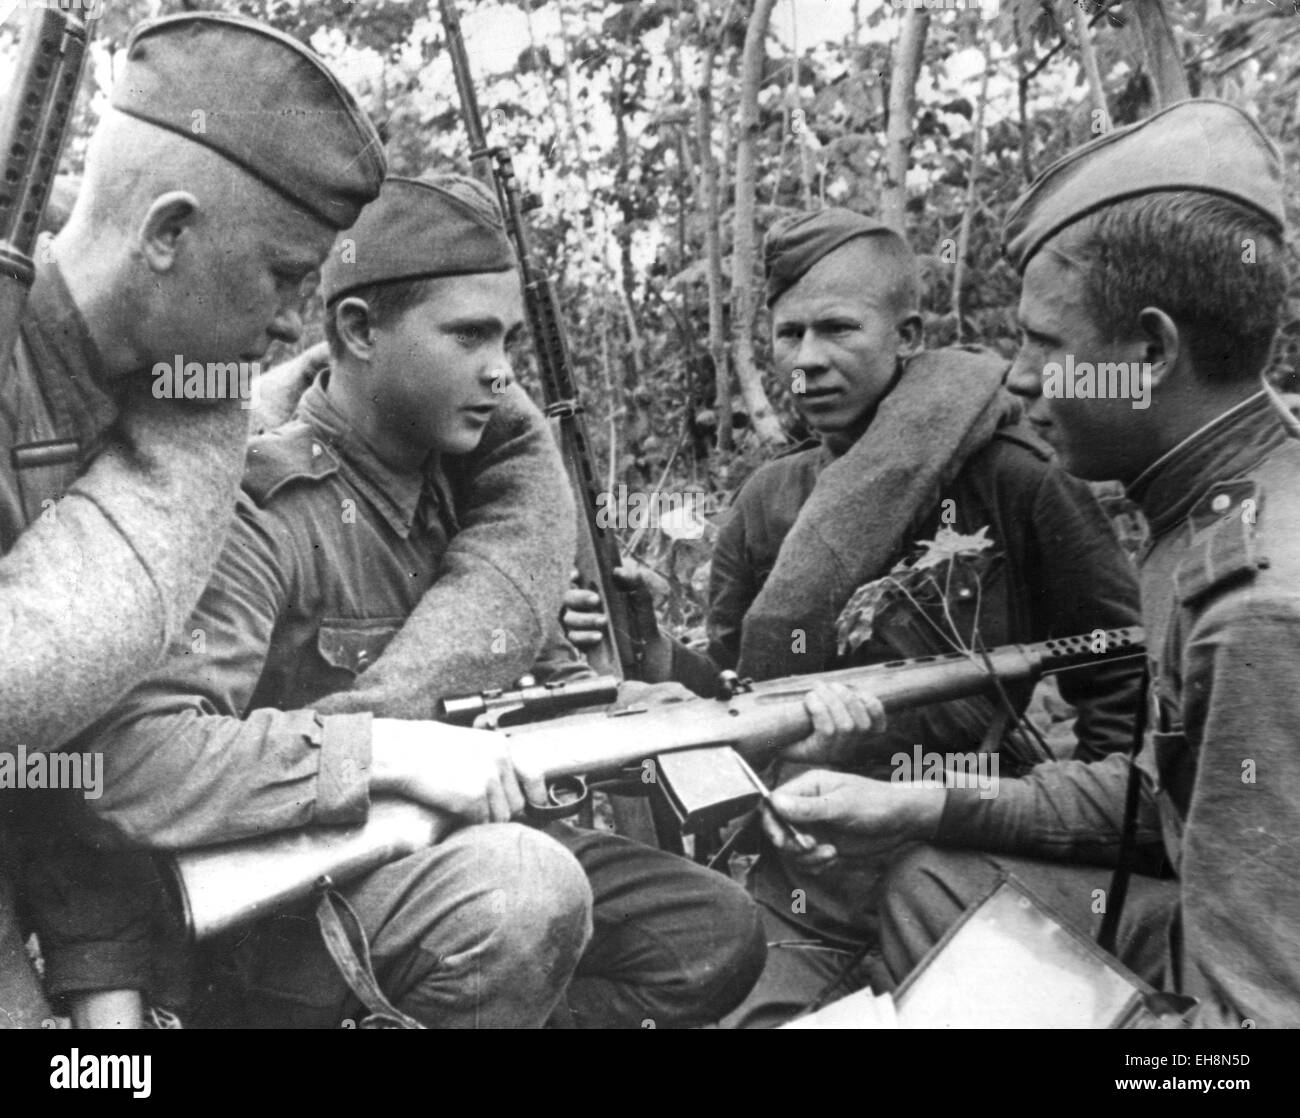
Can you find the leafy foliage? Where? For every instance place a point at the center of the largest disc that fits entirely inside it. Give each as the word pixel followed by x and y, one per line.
pixel 926 575
pixel 598 100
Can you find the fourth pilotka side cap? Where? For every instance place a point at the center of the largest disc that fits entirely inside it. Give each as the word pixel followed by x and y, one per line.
pixel 448 225
pixel 1202 146
pixel 260 98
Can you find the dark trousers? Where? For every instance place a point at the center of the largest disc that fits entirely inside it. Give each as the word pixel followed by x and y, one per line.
pixel 930 888
pixel 22 1004
pixel 463 940
pixel 674 945
pixel 876 936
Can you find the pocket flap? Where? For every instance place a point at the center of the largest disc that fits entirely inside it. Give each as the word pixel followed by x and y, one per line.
pixel 355 644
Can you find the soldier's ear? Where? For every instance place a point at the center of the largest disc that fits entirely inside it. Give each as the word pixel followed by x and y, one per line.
pixel 165 223
pixel 1162 343
pixel 354 325
pixel 911 336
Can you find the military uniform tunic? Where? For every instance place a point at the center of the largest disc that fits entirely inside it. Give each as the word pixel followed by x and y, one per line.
pixel 104 578
pixel 1056 569
pixel 1221 605
pixel 112 507
pixel 331 554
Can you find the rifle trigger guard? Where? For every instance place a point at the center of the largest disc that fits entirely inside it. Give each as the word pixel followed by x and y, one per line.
pixel 567 795
pixel 732 685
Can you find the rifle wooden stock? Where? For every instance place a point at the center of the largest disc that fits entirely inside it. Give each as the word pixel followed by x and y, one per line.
pixel 223 887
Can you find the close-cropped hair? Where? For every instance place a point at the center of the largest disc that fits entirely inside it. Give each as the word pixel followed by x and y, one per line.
pixel 885 251
pixel 896 255
pixel 386 301
pixel 1216 267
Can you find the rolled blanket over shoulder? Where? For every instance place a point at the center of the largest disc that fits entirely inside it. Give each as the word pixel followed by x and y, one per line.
pixel 946 406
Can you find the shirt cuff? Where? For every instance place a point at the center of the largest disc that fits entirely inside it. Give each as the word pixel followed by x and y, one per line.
pixel 86 967
pixel 343 772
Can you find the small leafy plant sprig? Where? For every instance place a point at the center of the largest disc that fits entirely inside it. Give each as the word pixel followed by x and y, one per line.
pixel 925 575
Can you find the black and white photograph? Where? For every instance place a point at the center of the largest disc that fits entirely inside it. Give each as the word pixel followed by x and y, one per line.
pixel 650 515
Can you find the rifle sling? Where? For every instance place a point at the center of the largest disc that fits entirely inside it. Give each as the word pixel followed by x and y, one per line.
pixel 354 963
pixel 1128 837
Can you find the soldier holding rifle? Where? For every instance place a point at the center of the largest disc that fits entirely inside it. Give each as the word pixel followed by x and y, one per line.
pixel 346 515
pixel 197 232
pixel 912 444
pixel 1157 248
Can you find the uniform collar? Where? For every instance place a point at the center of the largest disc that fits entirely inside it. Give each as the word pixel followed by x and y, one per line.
pixel 1225 448
pixel 395 494
pixel 71 366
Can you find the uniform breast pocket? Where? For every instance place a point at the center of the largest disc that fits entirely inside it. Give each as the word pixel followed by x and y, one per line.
pixel 351 645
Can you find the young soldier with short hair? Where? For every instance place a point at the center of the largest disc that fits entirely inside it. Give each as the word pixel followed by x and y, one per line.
pixel 347 512
pixel 910 443
pixel 1157 248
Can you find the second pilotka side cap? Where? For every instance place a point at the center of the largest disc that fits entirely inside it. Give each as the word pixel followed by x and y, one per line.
pixel 260 98
pixel 447 225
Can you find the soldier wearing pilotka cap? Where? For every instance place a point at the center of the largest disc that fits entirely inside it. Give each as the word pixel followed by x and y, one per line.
pixel 347 515
pixel 1158 246
pixel 911 444
pixel 190 234
pixel 211 196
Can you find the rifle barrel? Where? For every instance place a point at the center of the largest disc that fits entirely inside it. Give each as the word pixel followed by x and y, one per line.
pixel 621 652
pixel 223 887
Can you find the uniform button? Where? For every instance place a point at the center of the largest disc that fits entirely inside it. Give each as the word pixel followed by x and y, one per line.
pixel 1221 503
pixel 315 450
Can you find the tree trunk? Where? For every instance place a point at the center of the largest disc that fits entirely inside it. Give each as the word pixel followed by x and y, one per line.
pixel 762 419
pixel 579 148
pixel 681 131
pixel 710 203
pixel 1160 48
pixel 902 103
pixel 1088 57
pixel 972 178
pixel 1022 104
pixel 544 79
pixel 799 122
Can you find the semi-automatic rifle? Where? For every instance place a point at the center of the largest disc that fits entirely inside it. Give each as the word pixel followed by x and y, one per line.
pixel 622 651
pixel 33 126
pixel 224 887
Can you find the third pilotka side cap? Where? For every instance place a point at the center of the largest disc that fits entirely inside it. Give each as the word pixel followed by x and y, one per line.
pixel 260 98
pixel 795 243
pixel 448 225
pixel 1200 145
